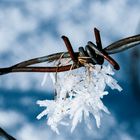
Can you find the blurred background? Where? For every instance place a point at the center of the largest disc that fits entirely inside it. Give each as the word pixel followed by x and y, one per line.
pixel 33 28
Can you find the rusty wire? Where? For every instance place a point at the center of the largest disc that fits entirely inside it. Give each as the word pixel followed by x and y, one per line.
pixel 92 53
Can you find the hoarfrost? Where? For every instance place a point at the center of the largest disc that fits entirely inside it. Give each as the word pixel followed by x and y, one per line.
pixel 79 94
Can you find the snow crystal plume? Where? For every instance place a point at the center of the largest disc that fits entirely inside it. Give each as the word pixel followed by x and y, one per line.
pixel 79 94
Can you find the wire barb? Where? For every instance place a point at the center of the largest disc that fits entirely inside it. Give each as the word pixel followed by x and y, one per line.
pixel 98 38
pixel 70 49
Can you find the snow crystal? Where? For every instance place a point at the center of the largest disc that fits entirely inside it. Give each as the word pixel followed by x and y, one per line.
pixel 79 94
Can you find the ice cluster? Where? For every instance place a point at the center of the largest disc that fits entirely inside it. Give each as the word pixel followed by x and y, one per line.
pixel 78 94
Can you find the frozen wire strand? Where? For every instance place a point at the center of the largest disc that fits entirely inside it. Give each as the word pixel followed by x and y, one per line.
pixel 46 74
pixel 71 68
pixel 59 63
pixel 56 74
pixel 68 74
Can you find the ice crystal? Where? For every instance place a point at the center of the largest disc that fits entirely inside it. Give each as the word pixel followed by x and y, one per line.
pixel 79 94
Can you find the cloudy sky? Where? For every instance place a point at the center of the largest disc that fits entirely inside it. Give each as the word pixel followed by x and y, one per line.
pixel 32 28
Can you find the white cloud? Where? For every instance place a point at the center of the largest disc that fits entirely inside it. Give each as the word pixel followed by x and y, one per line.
pixel 30 131
pixel 10 119
pixel 12 23
pixel 41 9
pixel 118 17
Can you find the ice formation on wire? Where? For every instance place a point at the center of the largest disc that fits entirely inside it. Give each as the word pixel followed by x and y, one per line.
pixel 79 94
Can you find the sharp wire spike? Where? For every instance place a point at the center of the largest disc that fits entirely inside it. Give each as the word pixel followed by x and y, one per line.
pixel 69 48
pixel 98 38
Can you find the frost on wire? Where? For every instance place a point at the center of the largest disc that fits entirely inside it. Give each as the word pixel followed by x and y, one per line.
pixel 79 94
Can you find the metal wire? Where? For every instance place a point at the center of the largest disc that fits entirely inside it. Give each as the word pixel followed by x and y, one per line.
pixel 92 53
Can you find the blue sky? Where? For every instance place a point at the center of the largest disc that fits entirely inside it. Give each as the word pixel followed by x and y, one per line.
pixel 34 28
